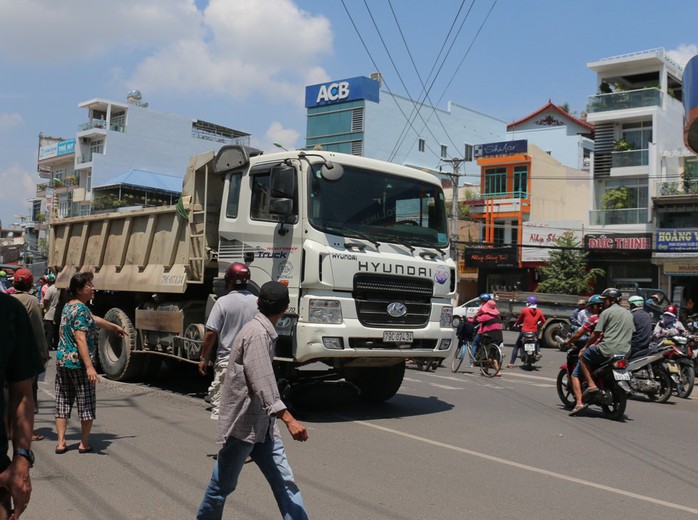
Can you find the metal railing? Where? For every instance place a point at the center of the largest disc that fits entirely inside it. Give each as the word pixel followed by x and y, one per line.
pixel 603 217
pixel 504 195
pixel 627 158
pixel 645 97
pixel 688 187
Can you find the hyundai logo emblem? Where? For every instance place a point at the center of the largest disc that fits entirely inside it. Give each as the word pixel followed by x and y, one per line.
pixel 397 309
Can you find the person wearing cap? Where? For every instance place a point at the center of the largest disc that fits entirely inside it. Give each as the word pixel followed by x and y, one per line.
pixel 22 282
pixel 250 405
pixel 228 315
pixel 669 325
pixel 643 325
pixel 3 281
pixel 49 301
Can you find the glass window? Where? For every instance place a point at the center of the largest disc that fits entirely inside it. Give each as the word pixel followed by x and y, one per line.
pixel 638 134
pixel 421 144
pixel 495 181
pixel 231 209
pixel 261 195
pixel 521 181
pixel 377 206
pixel 97 146
pixel 444 151
pixel 637 191
pixel 499 233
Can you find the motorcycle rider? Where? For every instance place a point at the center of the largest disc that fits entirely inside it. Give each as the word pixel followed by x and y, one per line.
pixel 593 308
pixel 669 325
pixel 530 319
pixel 579 315
pixel 611 336
pixel 643 325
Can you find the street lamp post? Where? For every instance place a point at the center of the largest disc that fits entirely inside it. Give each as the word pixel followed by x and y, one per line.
pixel 454 176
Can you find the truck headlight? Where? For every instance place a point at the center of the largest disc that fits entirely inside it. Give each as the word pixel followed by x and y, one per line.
pixel 324 311
pixel 446 316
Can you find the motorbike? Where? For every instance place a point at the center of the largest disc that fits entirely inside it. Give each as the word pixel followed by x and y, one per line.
pixel 679 359
pixel 648 374
pixel 611 379
pixel 692 323
pixel 529 340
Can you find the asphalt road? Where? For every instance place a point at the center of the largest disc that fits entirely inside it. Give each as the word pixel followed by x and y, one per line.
pixel 448 446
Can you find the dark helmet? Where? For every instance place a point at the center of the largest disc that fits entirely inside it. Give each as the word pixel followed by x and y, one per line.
pixel 237 274
pixel 594 299
pixel 671 311
pixel 611 294
pixel 485 297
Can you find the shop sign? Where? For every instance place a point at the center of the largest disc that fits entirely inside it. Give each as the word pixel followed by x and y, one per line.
pixel 506 256
pixel 677 239
pixel 681 268
pixel 543 235
pixel 619 242
pixel 501 148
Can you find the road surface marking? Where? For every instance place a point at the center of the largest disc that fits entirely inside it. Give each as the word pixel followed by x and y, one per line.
pixel 446 387
pixel 533 469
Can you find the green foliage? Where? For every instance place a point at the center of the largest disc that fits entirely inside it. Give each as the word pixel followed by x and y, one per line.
pixel 567 271
pixel 616 198
pixel 621 145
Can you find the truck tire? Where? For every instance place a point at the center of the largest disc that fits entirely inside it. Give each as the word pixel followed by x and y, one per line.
pixel 115 353
pixel 377 384
pixel 558 328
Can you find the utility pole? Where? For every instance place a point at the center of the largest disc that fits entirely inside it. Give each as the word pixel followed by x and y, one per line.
pixel 454 176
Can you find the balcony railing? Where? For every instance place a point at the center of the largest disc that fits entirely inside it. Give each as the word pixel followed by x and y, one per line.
pixel 505 195
pixel 646 97
pixel 630 158
pixel 666 189
pixel 604 217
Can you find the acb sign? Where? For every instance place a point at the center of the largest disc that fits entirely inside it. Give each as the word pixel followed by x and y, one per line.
pixel 342 91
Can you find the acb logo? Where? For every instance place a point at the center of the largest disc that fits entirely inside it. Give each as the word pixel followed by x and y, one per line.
pixel 333 92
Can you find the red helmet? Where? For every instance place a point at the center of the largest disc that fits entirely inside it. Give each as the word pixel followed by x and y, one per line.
pixel 237 274
pixel 24 276
pixel 671 310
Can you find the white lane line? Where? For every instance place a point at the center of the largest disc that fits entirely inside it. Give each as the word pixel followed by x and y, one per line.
pixel 532 469
pixel 505 374
pixel 447 387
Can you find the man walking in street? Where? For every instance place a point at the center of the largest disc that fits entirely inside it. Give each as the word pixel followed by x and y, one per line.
pixel 20 362
pixel 228 315
pixel 49 302
pixel 250 405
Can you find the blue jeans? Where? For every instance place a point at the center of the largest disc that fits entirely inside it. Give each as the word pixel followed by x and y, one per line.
pixel 270 457
pixel 517 346
pixel 593 357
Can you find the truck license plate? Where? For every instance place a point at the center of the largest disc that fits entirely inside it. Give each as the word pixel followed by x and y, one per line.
pixel 397 337
pixel 529 347
pixel 621 375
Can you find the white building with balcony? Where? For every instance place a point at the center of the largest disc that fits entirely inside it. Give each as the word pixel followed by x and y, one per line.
pixel 638 117
pixel 118 138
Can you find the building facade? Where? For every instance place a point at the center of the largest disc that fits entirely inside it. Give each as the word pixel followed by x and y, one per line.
pixel 637 113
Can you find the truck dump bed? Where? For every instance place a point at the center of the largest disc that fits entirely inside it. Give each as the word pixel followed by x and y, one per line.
pixel 158 250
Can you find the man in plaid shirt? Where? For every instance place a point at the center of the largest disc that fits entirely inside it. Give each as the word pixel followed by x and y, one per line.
pixel 250 404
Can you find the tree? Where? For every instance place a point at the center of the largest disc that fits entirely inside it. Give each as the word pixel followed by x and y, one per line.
pixel 567 271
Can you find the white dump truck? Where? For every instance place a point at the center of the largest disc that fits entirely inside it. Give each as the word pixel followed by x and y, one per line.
pixel 361 244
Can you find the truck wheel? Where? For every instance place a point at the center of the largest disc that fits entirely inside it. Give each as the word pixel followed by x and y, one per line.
pixel 555 329
pixel 377 384
pixel 115 353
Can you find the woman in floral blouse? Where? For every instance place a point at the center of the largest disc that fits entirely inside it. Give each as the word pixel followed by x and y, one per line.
pixel 75 372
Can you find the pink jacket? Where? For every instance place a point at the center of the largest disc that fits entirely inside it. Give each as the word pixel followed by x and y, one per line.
pixel 488 317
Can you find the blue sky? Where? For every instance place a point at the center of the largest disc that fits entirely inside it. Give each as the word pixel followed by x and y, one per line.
pixel 244 63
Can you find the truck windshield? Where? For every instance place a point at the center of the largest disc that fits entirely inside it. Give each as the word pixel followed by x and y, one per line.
pixel 379 207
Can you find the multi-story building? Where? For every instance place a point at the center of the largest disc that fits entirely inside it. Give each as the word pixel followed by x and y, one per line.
pixel 637 114
pixel 122 149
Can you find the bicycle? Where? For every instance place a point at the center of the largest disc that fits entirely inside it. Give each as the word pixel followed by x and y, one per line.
pixel 487 357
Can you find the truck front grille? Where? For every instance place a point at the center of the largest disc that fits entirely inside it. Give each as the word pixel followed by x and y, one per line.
pixel 374 292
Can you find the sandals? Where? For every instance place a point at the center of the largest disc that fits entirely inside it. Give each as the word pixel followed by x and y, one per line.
pixel 578 409
pixel 89 449
pixel 37 437
pixel 590 390
pixel 61 451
